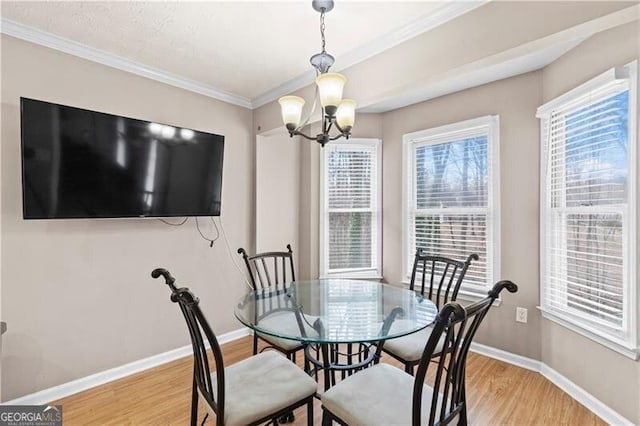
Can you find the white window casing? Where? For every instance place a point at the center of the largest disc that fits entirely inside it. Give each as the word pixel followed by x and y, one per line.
pixel 350 209
pixel 588 203
pixel 451 198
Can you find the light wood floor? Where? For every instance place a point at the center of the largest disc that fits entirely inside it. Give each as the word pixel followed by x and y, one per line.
pixel 497 394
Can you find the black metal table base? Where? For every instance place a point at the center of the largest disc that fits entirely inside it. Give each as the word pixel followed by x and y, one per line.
pixel 335 361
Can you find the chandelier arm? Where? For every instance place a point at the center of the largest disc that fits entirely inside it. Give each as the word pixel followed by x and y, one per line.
pixel 338 136
pixel 298 133
pixel 328 129
pixel 313 107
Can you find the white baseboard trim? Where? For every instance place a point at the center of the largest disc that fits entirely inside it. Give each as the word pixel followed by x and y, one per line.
pixel 508 357
pixel 598 407
pixel 97 379
pixel 592 403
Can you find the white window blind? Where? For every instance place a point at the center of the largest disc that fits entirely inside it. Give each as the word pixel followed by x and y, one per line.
pixel 451 197
pixel 351 316
pixel 350 224
pixel 588 208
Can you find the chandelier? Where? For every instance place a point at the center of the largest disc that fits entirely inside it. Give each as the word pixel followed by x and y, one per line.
pixel 336 112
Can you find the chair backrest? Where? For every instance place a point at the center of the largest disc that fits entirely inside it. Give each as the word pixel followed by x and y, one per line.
pixel 197 325
pixel 458 325
pixel 444 276
pixel 272 300
pixel 270 268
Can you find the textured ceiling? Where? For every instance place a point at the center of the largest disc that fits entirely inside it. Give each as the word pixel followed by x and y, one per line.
pixel 245 48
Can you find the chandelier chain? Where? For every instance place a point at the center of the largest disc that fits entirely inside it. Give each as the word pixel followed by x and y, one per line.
pixel 322 31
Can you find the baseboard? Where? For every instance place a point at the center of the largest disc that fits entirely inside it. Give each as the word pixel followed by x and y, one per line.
pixel 592 403
pixel 508 357
pixel 97 379
pixel 596 406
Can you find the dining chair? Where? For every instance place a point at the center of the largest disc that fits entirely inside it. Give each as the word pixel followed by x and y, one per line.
pixel 384 394
pixel 261 388
pixel 271 271
pixel 438 278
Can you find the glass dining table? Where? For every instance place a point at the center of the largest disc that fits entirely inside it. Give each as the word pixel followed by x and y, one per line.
pixel 343 323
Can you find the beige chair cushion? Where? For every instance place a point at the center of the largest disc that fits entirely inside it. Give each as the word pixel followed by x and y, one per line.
pixel 411 347
pixel 285 322
pixel 279 342
pixel 261 385
pixel 380 395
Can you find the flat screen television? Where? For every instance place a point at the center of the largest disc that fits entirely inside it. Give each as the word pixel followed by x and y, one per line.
pixel 86 164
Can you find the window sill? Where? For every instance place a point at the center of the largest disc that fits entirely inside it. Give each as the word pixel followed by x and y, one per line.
pixel 475 298
pixel 610 344
pixel 352 277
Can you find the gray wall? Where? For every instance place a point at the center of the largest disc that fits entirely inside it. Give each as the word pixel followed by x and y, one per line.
pixel 47 264
pixel 612 378
pixel 277 192
pixel 515 101
pixel 77 294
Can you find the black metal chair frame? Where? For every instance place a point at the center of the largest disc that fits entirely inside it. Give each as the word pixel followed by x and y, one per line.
pixel 261 279
pixel 330 358
pixel 448 293
pixel 202 383
pixel 458 325
pixel 444 291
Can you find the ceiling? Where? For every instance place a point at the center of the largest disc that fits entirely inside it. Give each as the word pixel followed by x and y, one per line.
pixel 245 49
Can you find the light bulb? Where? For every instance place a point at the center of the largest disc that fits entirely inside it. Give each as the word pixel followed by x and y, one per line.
pixel 186 134
pixel 168 131
pixel 155 128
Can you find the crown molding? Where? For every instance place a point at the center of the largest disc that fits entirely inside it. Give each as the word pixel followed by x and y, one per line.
pixel 52 41
pixel 485 71
pixel 525 58
pixel 441 15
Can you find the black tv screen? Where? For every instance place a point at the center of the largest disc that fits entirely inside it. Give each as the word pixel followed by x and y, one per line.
pixel 85 164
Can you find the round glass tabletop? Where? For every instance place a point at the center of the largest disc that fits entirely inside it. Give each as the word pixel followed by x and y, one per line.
pixel 335 311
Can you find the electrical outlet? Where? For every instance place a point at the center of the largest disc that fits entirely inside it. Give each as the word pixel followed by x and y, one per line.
pixel 521 314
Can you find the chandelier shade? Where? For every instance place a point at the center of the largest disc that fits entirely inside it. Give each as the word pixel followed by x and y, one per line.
pixel 346 114
pixel 336 112
pixel 330 87
pixel 291 107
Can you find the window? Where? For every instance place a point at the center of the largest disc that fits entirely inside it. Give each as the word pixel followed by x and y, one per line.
pixel 350 224
pixel 588 209
pixel 451 205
